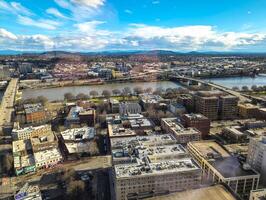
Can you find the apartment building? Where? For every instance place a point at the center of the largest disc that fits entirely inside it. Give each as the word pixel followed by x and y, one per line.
pixel 28 132
pixel 219 166
pixel 247 110
pixel 35 113
pixel 43 142
pixel 257 155
pixel 198 121
pixel 126 108
pixel 47 158
pixel 182 135
pixel 186 100
pixel 228 107
pixel 216 105
pixel 23 159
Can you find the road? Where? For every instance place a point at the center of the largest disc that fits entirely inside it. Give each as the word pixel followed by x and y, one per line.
pixel 7 104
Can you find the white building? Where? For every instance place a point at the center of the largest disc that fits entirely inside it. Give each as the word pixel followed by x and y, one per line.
pixel 47 158
pixel 140 180
pixel 28 132
pixel 126 108
pixel 257 155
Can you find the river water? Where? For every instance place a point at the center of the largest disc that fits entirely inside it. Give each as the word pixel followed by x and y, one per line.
pixel 58 93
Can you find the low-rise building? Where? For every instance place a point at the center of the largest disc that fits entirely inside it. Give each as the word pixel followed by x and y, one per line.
pixel 43 142
pixel 147 100
pixel 234 134
pixel 139 180
pixel 28 132
pixel 247 110
pixel 182 135
pixel 47 158
pixel 78 141
pixel 126 108
pixel 35 113
pixel 28 192
pixel 198 121
pixel 219 166
pixel 177 109
pixel 23 159
pixel 114 105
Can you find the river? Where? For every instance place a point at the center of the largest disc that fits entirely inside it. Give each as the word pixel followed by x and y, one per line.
pixel 230 82
pixel 58 93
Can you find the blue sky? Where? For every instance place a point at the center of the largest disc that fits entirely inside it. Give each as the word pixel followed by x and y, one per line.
pixel 96 25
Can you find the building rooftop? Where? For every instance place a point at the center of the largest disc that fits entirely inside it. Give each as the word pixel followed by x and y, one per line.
pixel 217 192
pixel 194 116
pixel 23 161
pixel 231 167
pixel 150 98
pixel 43 156
pixel 117 130
pixel 78 134
pixel 140 123
pixel 210 149
pixel 43 139
pixel 258 194
pixel 31 108
pixel 226 164
pixel 79 147
pixel 29 192
pixel 174 123
pixel 149 169
pixel 152 140
pixel 21 145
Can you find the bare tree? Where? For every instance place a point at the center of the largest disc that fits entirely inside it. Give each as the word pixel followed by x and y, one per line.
pixel 138 90
pixel 106 93
pixel 94 93
pixel 116 91
pixel 76 190
pixel 69 96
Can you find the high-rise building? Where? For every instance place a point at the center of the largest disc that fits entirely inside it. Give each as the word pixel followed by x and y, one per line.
pixel 257 155
pixel 216 104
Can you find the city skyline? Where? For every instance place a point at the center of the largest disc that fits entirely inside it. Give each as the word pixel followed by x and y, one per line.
pixel 103 25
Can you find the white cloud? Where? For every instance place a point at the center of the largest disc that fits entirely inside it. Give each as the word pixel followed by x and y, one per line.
pixel 7 35
pixel 155 2
pixel 56 13
pixel 82 9
pixel 88 26
pixel 89 36
pixel 89 3
pixel 128 11
pixel 40 23
pixel 249 12
pixel 14 8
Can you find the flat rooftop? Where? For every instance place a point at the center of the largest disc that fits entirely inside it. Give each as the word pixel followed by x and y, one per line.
pixel 231 167
pixel 78 134
pixel 194 116
pixel 117 130
pixel 151 140
pixel 217 192
pixel 140 123
pixel 43 156
pixel 207 148
pixel 31 108
pixel 80 147
pixel 174 123
pixel 258 194
pixel 21 145
pixel 158 168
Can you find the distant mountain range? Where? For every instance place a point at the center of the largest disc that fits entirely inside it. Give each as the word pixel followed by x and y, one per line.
pixel 120 53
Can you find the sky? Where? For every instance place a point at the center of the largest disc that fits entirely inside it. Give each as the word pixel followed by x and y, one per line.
pixel 105 25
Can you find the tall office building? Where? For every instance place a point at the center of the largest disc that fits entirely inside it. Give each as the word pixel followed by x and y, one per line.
pixel 257 156
pixel 216 104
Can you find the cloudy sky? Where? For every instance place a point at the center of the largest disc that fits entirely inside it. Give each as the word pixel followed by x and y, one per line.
pixel 97 25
